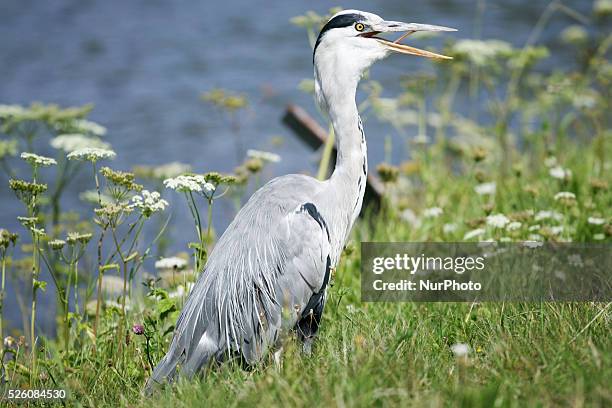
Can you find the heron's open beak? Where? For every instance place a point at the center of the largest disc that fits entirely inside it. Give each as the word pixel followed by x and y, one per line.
pixel 407 29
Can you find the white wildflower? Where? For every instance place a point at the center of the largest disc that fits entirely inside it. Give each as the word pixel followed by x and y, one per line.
pixel 545 214
pixel 565 196
pixel 599 237
pixel 480 51
pixel 180 290
pixel 10 110
pixel 186 183
pixel 149 202
pixel 513 226
pixel 36 160
pixel 596 221
pixel 534 228
pixel 550 161
pixel 557 230
pixel 410 217
pixel 432 212
pixel 87 126
pixel 74 141
pixel 91 154
pixel 169 170
pixel 602 7
pixel 264 156
pixel 485 188
pixel 473 233
pixel 449 228
pixel 173 262
pixel 497 220
pixel 460 350
pixel 560 173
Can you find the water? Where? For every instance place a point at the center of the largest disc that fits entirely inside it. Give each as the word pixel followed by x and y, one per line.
pixel 144 64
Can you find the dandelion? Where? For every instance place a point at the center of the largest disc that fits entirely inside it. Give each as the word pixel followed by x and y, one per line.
pixel 138 329
pixel 560 173
pixel 596 221
pixel 171 263
pixel 149 202
pixel 485 188
pixel 473 234
pixel 38 161
pixel 92 154
pixel 432 212
pixel 497 220
pixel 75 141
pixel 460 350
pixel 263 156
pixel 513 226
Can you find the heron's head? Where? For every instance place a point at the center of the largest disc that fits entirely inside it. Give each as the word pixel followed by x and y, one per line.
pixel 351 42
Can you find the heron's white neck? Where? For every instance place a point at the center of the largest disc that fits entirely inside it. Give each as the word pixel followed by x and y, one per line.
pixel 336 94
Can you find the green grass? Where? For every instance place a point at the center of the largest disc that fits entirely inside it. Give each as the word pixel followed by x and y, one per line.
pixel 399 355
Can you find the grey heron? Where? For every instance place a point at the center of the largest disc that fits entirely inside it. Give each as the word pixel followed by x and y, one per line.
pixel 269 272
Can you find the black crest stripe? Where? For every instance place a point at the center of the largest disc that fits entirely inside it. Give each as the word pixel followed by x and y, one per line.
pixel 343 20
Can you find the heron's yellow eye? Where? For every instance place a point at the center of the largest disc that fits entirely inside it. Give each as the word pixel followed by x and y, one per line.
pixel 359 27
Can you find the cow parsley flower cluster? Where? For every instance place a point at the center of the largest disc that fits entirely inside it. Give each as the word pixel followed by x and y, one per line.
pixel 432 212
pixel 92 154
pixel 560 173
pixel 75 141
pixel 172 262
pixel 149 202
pixel 263 156
pixel 186 183
pixel 485 188
pixel 497 220
pixel 38 161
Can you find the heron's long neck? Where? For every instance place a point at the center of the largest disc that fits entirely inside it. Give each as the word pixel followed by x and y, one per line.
pixel 346 185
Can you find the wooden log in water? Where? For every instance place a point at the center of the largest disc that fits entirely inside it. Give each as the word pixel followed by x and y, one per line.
pixel 315 136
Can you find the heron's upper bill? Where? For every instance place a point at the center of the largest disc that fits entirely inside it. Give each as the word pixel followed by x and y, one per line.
pixel 407 29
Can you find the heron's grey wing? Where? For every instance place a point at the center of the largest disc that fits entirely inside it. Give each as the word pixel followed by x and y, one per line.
pixel 271 255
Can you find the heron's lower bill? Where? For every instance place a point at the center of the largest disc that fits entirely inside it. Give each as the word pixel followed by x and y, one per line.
pixel 396 46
